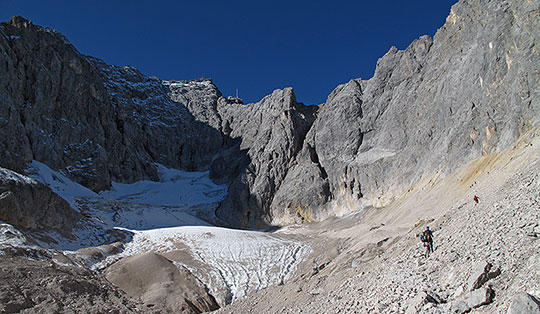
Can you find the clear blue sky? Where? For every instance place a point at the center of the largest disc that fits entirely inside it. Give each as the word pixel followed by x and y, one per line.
pixel 253 46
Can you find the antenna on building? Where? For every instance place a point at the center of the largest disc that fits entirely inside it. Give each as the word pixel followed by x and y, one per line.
pixel 237 93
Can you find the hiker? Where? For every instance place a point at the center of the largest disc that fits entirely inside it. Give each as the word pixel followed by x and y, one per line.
pixel 425 244
pixel 475 198
pixel 428 238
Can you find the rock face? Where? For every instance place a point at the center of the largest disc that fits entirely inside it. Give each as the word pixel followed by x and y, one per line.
pixel 53 106
pixel 155 124
pixel 93 121
pixel 471 90
pixel 31 205
pixel 524 303
pixel 268 136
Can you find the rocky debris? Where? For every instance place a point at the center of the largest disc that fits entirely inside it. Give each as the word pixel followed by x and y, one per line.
pixel 28 286
pixel 481 273
pixel 160 284
pixel 28 204
pixel 394 279
pixel 89 256
pixel 524 303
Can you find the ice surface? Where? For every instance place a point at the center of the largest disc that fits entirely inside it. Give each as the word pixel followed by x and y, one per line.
pixel 238 261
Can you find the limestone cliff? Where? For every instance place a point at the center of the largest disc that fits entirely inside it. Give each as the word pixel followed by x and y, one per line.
pixel 471 90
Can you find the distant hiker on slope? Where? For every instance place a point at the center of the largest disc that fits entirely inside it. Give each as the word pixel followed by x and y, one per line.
pixel 427 240
pixel 475 198
pixel 425 244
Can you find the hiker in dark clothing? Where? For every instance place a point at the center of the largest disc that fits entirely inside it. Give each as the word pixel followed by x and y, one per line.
pixel 475 198
pixel 428 240
pixel 425 244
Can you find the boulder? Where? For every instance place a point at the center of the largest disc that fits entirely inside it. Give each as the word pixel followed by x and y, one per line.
pixel 423 298
pixel 480 297
pixel 482 272
pixel 459 307
pixel 524 303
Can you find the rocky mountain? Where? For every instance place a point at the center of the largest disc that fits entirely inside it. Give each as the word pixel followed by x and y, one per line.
pixel 95 122
pixel 485 258
pixel 445 119
pixel 469 91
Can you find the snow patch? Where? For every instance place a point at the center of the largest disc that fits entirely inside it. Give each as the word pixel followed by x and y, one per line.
pixel 14 176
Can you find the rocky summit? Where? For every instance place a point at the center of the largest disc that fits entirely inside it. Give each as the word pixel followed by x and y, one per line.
pixel 445 134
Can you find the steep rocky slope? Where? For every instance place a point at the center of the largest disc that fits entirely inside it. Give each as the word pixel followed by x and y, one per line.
pixel 54 107
pixel 470 90
pixel 486 257
pixel 438 123
pixel 271 133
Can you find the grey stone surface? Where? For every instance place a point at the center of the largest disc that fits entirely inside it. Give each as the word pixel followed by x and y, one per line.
pixel 524 303
pixel 155 124
pixel 28 286
pixel 264 139
pixel 471 90
pixel 93 121
pixel 459 307
pixel 422 299
pixel 480 297
pixel 53 105
pixel 481 273
pixel 31 205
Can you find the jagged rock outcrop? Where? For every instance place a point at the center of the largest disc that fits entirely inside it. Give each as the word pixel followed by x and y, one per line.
pixel 471 90
pixel 264 140
pixel 155 124
pixel 31 205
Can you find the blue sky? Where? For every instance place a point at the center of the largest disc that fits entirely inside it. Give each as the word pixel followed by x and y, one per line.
pixel 252 46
